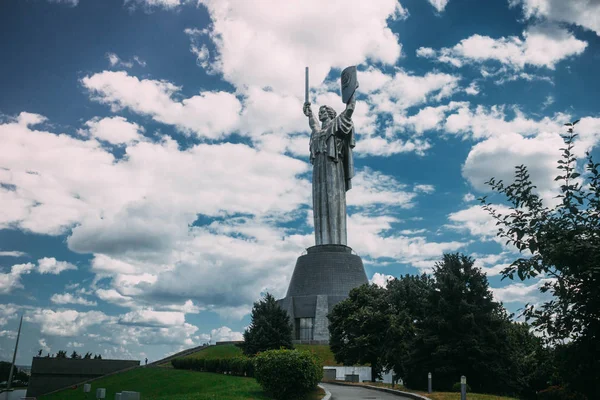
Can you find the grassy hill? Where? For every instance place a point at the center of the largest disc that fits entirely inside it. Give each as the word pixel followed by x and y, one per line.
pixel 170 384
pixel 173 384
pixel 231 351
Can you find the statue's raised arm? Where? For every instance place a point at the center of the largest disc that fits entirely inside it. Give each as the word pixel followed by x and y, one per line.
pixel 331 146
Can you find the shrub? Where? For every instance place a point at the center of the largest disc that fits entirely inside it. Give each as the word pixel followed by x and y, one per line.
pixel 287 374
pixel 211 365
pixel 559 393
pixel 456 387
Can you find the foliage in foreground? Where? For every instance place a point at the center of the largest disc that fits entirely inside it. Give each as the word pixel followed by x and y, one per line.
pixel 447 324
pixel 287 374
pixel 561 244
pixel 270 328
pixel 171 384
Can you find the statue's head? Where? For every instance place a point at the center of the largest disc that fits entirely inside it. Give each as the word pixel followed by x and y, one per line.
pixel 326 112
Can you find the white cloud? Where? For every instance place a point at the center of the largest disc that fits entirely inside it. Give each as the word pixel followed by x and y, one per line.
pixel 580 12
pixel 476 221
pixel 439 5
pixel 262 43
pixel 71 3
pixel 65 322
pixel 12 279
pixel 372 188
pixel 12 254
pixel 49 265
pixel 370 236
pixel 484 122
pixel 209 114
pixel 469 197
pixel 149 317
pixel 167 4
pixel 115 61
pixel 423 188
pixel 68 298
pixel 75 344
pixel 44 345
pixel 519 292
pixel 114 297
pixel 115 130
pixel 7 311
pixel 224 334
pixel 541 46
pixel 381 280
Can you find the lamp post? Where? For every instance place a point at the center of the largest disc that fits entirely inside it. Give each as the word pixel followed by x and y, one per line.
pixel 429 384
pixel 463 388
pixel 12 366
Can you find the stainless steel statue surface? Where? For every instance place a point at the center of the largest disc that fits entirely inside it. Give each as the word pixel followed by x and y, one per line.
pixel 331 145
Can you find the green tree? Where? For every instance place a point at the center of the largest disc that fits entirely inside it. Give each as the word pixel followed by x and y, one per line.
pixel 408 299
pixel 462 333
pixel 562 244
pixel 359 327
pixel 61 354
pixel 270 328
pixel 75 355
pixel 87 356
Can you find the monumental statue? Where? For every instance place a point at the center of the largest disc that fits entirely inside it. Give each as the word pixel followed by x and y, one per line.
pixel 328 271
pixel 331 145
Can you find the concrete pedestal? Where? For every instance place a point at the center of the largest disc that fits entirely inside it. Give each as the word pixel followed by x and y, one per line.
pixel 322 278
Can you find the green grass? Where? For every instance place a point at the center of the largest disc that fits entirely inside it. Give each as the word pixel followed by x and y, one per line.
pixel 221 351
pixel 321 350
pixel 231 351
pixel 174 384
pixel 171 384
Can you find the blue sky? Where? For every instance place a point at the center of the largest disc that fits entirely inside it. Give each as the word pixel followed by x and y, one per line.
pixel 154 171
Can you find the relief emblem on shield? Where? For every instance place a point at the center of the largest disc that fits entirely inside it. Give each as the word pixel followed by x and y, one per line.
pixel 349 83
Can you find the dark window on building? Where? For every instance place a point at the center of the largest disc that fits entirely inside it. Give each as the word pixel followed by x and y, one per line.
pixel 305 328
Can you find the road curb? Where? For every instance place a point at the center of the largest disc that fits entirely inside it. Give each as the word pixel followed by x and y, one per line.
pixel 413 396
pixel 327 393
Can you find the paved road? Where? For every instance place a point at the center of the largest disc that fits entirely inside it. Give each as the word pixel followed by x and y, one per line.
pixel 339 392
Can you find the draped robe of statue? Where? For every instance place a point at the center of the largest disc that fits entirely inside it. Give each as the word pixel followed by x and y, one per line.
pixel 333 169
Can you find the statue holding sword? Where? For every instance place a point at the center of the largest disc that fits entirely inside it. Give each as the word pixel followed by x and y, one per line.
pixel 331 145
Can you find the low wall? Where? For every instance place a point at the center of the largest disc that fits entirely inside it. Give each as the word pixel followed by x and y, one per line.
pixel 48 374
pixel 364 373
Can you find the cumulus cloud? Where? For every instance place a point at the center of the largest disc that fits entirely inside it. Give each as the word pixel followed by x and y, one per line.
pixel 519 292
pixel 381 280
pixel 65 322
pixel 262 44
pixel 373 239
pixel 115 61
pixel 68 298
pixel 225 333
pixel 149 317
pixel 580 12
pixel 372 188
pixel 12 280
pixel 49 265
pixel 12 253
pixel 44 345
pixel 439 5
pixel 208 114
pixel 71 3
pixel 150 4
pixel 541 46
pixel 114 130
pixel 476 221
pixel 7 311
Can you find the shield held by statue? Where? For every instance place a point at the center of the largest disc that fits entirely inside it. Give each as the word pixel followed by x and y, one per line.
pixel 349 83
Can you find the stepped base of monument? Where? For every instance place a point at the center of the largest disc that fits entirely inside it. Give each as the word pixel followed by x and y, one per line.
pixel 322 278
